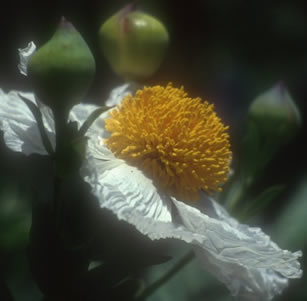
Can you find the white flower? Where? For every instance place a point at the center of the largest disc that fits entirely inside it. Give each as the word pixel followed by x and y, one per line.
pixel 243 258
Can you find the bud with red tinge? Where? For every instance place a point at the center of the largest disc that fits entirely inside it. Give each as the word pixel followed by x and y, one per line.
pixel 134 43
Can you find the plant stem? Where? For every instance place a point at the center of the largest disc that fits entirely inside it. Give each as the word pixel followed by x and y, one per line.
pixel 60 120
pixel 172 272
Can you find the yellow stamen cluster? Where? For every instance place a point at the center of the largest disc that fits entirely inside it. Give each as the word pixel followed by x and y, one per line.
pixel 177 141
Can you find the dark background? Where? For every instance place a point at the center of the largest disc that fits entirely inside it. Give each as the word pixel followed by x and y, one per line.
pixel 224 51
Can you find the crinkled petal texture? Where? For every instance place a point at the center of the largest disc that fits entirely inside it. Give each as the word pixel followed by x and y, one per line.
pixel 21 133
pixel 19 126
pixel 118 93
pixel 244 258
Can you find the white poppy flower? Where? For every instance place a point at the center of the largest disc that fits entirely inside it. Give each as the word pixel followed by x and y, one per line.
pixel 146 160
pixel 244 258
pixel 127 168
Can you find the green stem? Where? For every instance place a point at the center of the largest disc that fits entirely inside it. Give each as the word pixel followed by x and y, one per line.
pixel 172 272
pixel 60 120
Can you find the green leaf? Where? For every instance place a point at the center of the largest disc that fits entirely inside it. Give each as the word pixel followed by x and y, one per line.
pixel 262 201
pixel 192 282
pixel 257 151
pixel 251 148
pixel 290 228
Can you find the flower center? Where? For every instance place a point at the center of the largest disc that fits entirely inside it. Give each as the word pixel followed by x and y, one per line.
pixel 177 141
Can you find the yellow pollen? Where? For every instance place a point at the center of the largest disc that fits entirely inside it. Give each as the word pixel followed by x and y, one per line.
pixel 177 141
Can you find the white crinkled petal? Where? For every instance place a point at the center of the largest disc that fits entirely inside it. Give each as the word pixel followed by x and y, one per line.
pixel 96 133
pixel 80 112
pixel 24 56
pixel 117 94
pixel 132 197
pixel 244 258
pixel 127 192
pixel 48 118
pixel 99 152
pixel 19 126
pixel 20 129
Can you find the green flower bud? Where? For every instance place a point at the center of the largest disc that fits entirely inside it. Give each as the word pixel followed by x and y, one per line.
pixel 275 113
pixel 134 43
pixel 62 69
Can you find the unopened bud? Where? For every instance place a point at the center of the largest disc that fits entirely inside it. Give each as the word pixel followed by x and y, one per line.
pixel 134 43
pixel 275 113
pixel 62 69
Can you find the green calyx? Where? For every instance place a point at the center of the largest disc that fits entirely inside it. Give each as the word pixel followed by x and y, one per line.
pixel 134 43
pixel 62 69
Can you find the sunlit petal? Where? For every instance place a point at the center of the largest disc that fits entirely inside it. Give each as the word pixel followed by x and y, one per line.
pixel 80 112
pixel 117 94
pixel 19 126
pixel 129 194
pixel 24 56
pixel 244 258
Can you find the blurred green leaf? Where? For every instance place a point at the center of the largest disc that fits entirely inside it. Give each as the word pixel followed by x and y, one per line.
pixel 262 201
pixel 250 149
pixel 290 228
pixel 191 283
pixel 15 220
